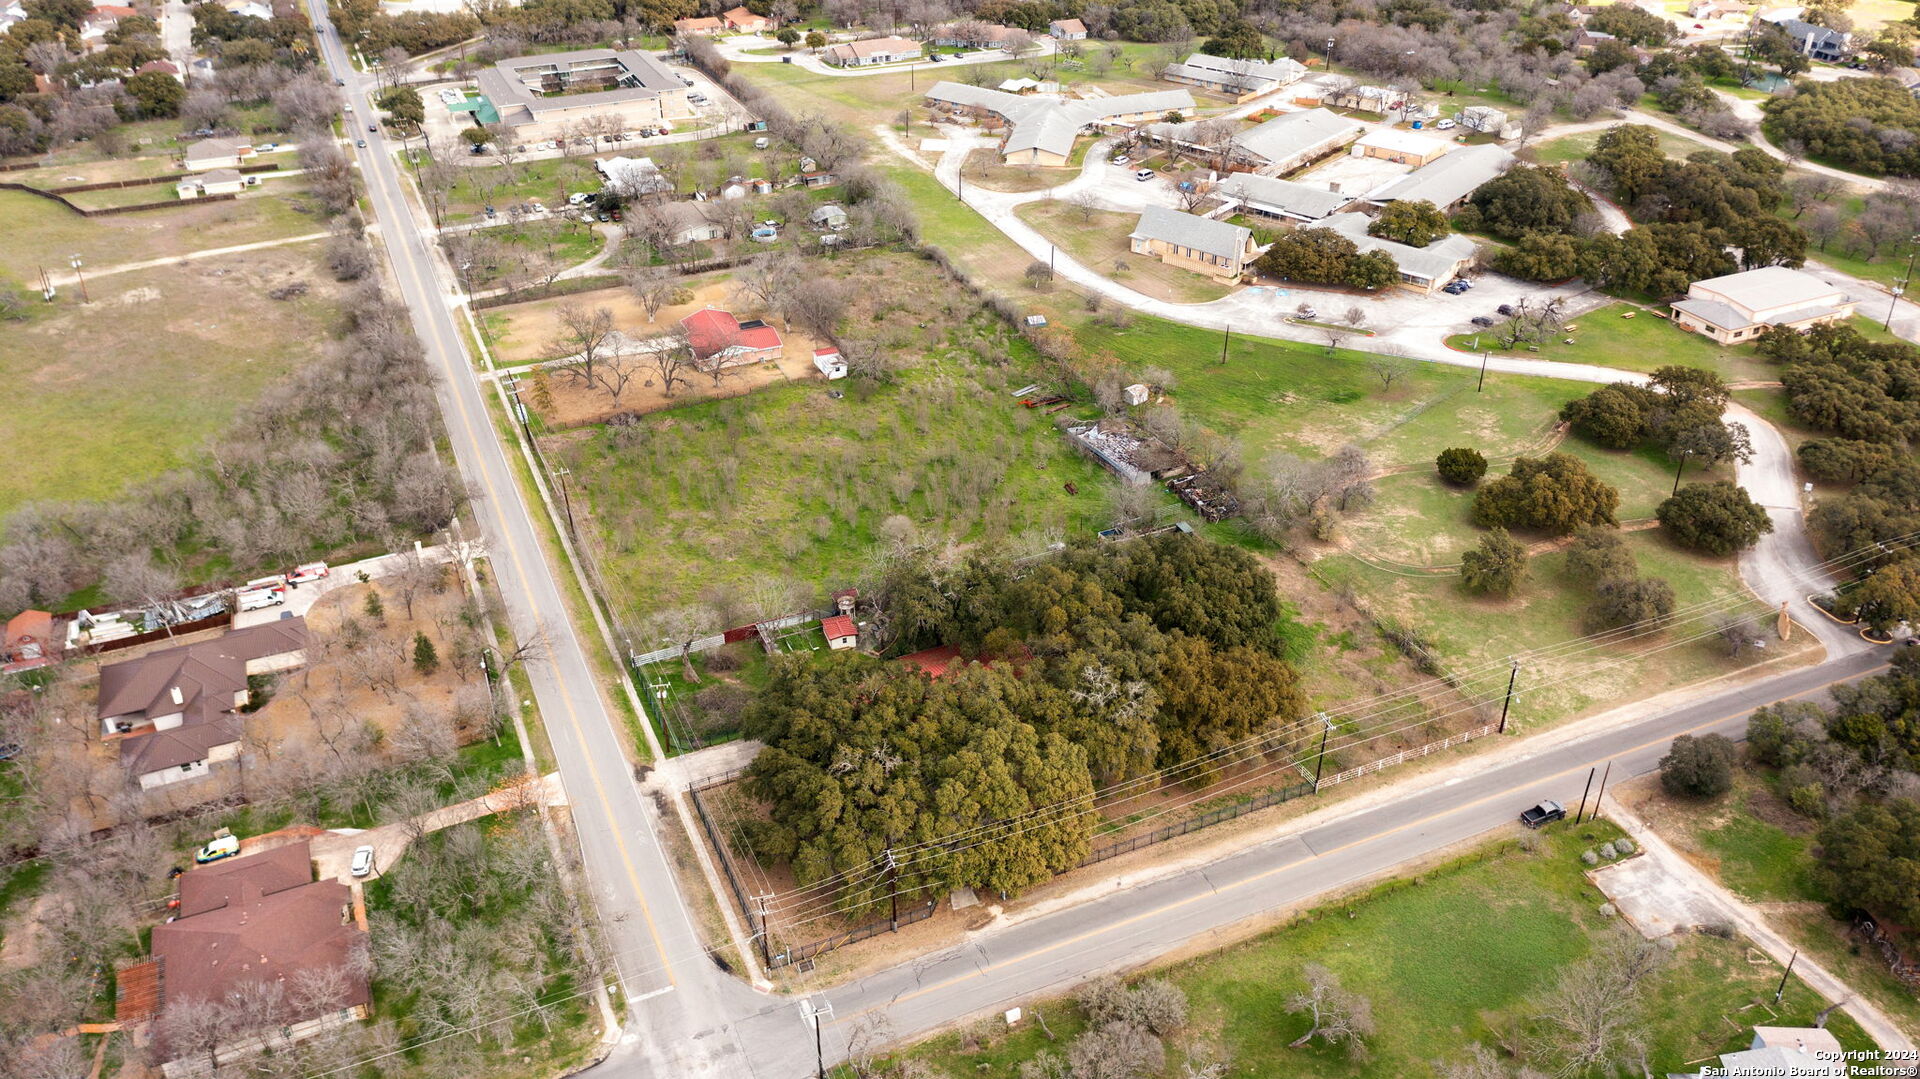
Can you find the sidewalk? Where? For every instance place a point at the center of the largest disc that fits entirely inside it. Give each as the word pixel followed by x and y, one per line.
pixel 1686 894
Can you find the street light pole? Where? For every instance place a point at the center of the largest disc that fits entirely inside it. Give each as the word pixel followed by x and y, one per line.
pixel 1484 357
pixel 75 262
pixel 1329 54
pixel 817 1013
pixel 1684 454
pixel 1913 248
pixel 1778 993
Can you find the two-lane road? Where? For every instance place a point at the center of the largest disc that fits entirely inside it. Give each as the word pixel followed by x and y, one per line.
pixel 682 998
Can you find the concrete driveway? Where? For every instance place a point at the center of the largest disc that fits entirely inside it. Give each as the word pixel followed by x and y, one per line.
pixel 301 598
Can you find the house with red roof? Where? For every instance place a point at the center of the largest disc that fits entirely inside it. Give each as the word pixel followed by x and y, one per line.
pixel 28 642
pixel 841 632
pixel 104 17
pixel 720 340
pixel 261 918
pixel 162 67
pixel 705 25
pixel 745 21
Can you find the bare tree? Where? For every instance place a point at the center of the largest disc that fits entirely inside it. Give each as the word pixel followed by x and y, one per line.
pixel 1339 1015
pixel 655 287
pixel 1590 1023
pixel 680 627
pixel 1388 369
pixel 1084 204
pixel 669 359
pixel 583 340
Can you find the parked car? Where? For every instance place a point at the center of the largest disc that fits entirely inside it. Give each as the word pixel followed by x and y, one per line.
pixel 1454 288
pixel 349 106
pixel 1482 321
pixel 339 82
pixel 1445 125
pixel 1143 175
pixel 373 129
pixel 224 845
pixel 362 861
pixel 1505 310
pixel 937 58
pixel 1122 159
pixel 1544 813
pixel 361 143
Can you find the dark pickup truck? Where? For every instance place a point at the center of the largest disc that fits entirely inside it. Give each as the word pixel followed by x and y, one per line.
pixel 1544 813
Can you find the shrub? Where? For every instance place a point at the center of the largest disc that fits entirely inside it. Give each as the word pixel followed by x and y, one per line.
pixel 1497 566
pixel 1461 466
pixel 1698 767
pixel 1640 605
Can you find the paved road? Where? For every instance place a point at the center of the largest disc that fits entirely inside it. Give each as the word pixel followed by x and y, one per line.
pixel 678 1028
pixel 736 51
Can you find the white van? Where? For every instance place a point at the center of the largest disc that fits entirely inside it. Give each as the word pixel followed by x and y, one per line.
pixel 254 599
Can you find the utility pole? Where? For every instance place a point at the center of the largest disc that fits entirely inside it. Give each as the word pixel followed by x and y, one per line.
pixel 1913 248
pixel 1778 993
pixel 1584 791
pixel 816 1013
pixel 765 930
pixel 1603 790
pixel 1320 759
pixel 893 890
pixel 1484 356
pixel 1508 703
pixel 1329 54
pixel 1684 454
pixel 1224 342
pixel 567 499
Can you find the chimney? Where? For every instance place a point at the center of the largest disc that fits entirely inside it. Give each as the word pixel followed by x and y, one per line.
pixel 178 697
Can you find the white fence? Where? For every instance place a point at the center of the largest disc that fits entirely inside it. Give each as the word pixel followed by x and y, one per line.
pixel 708 644
pixel 1409 754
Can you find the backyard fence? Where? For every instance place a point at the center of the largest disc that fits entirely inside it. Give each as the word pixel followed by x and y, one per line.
pixel 1194 824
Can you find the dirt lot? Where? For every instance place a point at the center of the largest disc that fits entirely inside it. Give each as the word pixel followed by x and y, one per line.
pixel 526 332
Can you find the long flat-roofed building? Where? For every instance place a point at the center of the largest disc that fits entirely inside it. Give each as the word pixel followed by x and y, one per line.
pixel 1741 306
pixel 546 97
pixel 1041 130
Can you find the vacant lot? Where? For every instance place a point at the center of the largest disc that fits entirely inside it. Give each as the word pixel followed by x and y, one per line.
pixel 111 393
pixel 1098 239
pixel 41 233
pixel 1466 956
pixel 795 485
pixel 1610 338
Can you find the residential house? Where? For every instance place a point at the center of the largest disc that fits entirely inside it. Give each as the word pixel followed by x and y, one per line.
pixel 1482 118
pixel 252 9
pixel 1380 99
pixel 1809 1052
pixel 873 50
pixel 841 632
pixel 1195 243
pixel 720 340
pixel 28 642
pixel 742 21
pixel 1042 130
pixel 702 26
pixel 677 224
pixel 633 177
pixel 1448 181
pixel 830 363
pixel 261 918
pixel 174 710
pixel 1241 80
pixel 1269 196
pixel 969 34
pixel 1817 42
pixel 219 154
pixel 1422 269
pixel 828 217
pixel 163 67
pixel 215 182
pixel 1400 146
pixel 1742 306
pixel 1294 140
pixel 1068 29
pixel 104 17
pixel 1715 9
pixel 814 178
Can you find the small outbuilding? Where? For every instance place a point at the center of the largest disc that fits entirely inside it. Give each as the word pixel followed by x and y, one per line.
pixel 841 632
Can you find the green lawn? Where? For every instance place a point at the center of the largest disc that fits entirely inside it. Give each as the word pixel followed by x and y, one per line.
pixel 1758 860
pixel 1099 238
pixel 1570 148
pixel 42 233
pixel 117 391
pixel 1461 954
pixel 1608 339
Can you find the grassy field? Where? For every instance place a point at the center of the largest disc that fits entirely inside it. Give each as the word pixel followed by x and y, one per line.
pixel 41 233
pixel 124 388
pixel 1477 633
pixel 1641 343
pixel 1462 954
pixel 1570 148
pixel 794 484
pixel 1284 395
pixel 1099 238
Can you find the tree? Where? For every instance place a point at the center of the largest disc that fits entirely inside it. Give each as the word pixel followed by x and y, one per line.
pixel 816 40
pixel 1309 254
pixel 669 359
pixel 1555 494
pixel 1372 271
pixel 787 36
pixel 656 287
pixel 375 608
pixel 157 93
pixel 476 136
pixel 1590 1022
pixel 1039 275
pixel 1338 1016
pixel 1637 605
pixel 1461 466
pixel 1526 200
pixel 404 105
pixel 1497 566
pixel 1890 596
pixel 1237 40
pixel 1872 857
pixel 585 340
pixel 1698 767
pixel 1718 518
pixel 426 659
pixel 1416 223
pixel 1615 416
pixel 1541 256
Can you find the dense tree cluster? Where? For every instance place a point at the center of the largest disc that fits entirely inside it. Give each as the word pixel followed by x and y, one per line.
pixel 1600 561
pixel 1526 199
pixel 375 31
pixel 1699 766
pixel 1414 223
pixel 1553 494
pixel 1862 125
pixel 1106 662
pixel 1323 256
pixel 1678 410
pixel 1839 382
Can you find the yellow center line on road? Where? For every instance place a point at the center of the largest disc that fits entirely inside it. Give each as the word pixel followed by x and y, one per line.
pixel 519 567
pixel 1161 911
